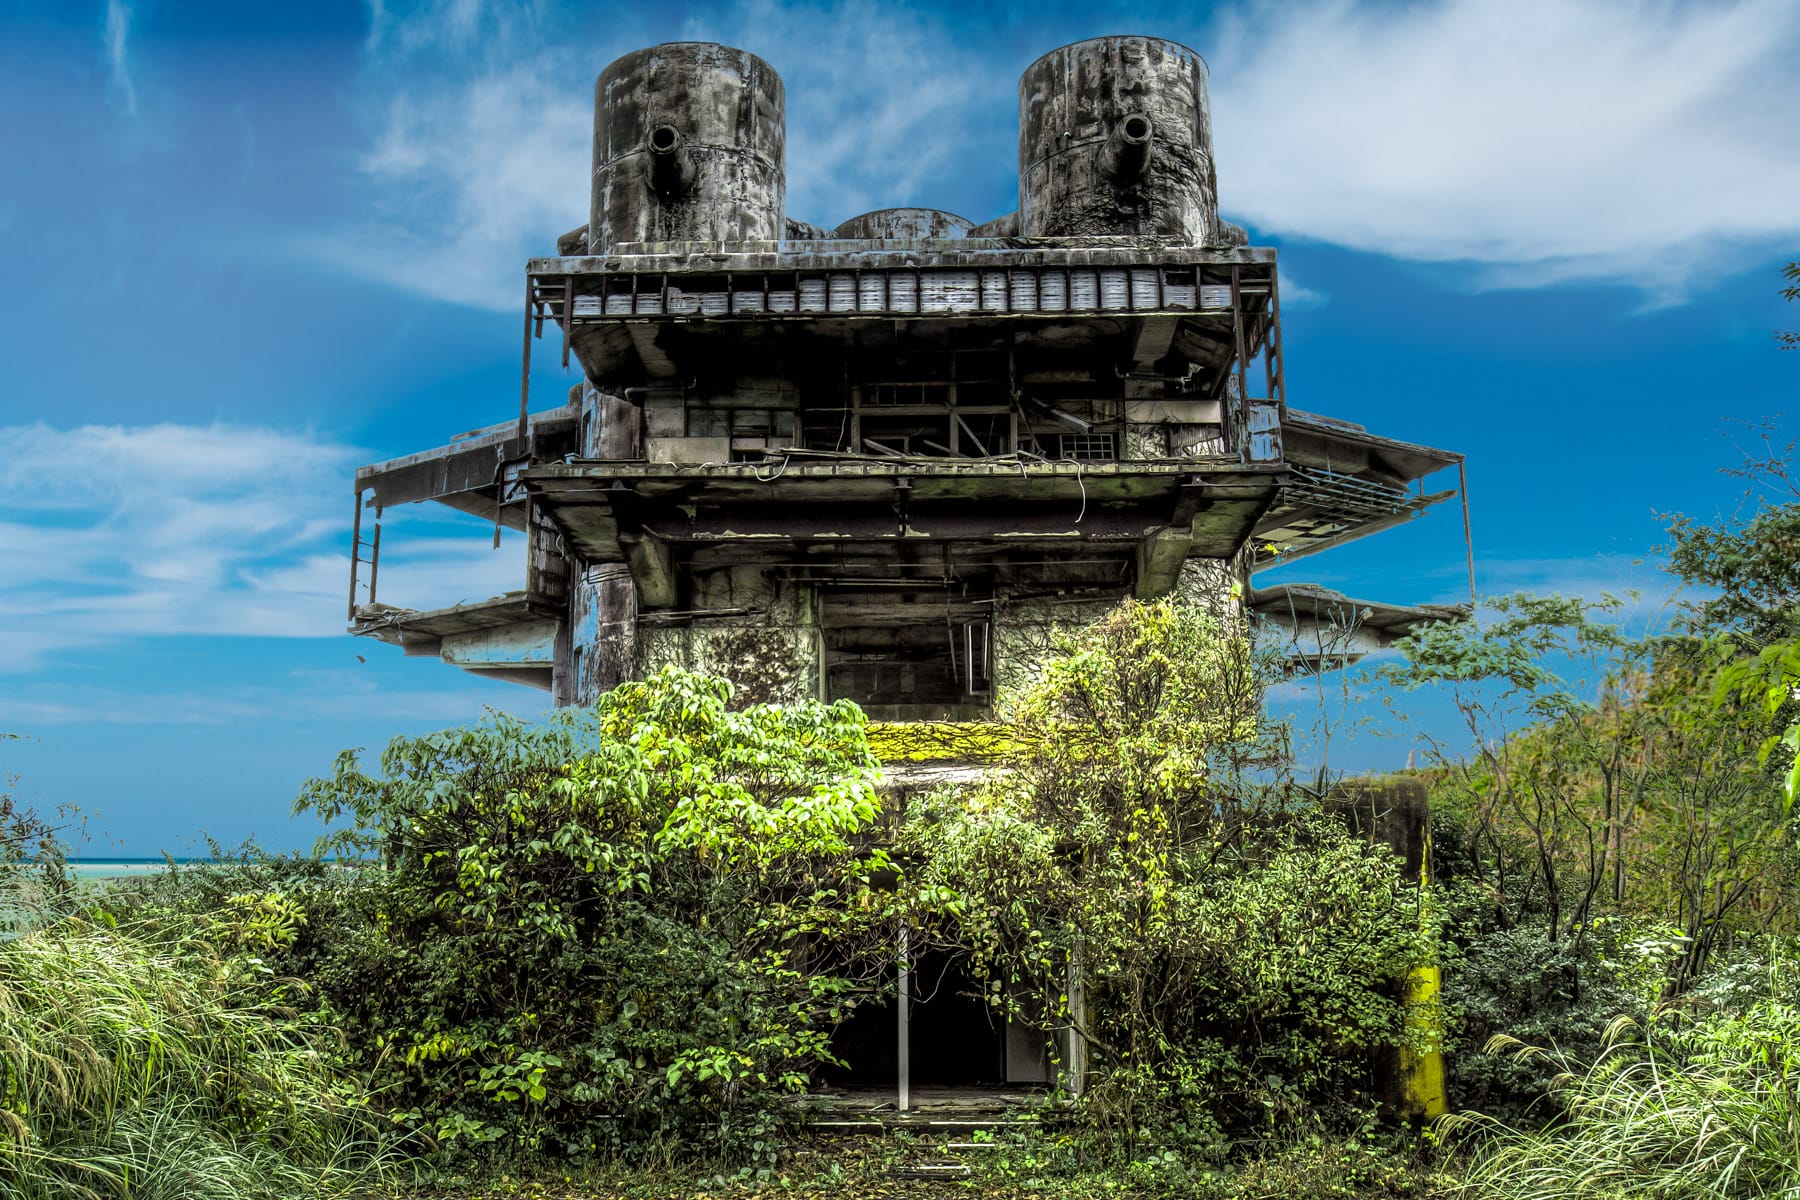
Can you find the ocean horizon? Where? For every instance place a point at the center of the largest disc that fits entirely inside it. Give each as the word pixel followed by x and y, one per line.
pixel 125 867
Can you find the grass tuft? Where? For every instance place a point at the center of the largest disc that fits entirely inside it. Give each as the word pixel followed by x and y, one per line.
pixel 1702 1109
pixel 135 1065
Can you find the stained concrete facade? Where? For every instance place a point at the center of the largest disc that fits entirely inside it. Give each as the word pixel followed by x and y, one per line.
pixel 886 460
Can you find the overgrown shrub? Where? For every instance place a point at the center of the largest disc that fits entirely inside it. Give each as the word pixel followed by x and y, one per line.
pixel 1238 947
pixel 1516 982
pixel 628 928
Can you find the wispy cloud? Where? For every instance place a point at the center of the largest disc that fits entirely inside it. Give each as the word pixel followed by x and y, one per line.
pixel 1295 294
pixel 481 132
pixel 1525 145
pixel 118 53
pixel 482 124
pixel 298 696
pixel 117 531
pixel 1635 141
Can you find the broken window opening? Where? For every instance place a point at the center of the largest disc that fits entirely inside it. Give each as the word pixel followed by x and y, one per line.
pixel 908 655
pixel 936 404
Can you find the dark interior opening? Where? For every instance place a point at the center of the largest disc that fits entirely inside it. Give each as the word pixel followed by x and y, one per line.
pixel 957 1041
pixel 908 654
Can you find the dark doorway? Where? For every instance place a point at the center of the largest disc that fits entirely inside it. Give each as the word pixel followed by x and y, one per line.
pixel 957 1040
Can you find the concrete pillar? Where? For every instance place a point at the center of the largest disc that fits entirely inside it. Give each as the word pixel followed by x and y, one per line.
pixel 1395 811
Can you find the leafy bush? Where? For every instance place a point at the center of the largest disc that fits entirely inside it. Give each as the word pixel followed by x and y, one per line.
pixel 1238 947
pixel 1517 983
pixel 628 927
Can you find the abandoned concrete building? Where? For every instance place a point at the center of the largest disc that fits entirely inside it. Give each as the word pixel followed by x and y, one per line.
pixel 882 461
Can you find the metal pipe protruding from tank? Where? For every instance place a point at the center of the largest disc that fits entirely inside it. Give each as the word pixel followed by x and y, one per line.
pixel 1125 157
pixel 689 146
pixel 1088 168
pixel 671 166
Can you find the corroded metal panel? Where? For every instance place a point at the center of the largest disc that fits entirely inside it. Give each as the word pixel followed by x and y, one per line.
pixel 910 224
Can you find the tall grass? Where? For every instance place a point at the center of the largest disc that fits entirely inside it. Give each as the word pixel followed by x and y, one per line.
pixel 1706 1108
pixel 132 1064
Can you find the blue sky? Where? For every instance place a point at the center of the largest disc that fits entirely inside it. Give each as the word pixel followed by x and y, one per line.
pixel 244 248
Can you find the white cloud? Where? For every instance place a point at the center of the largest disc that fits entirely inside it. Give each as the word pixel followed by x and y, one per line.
pixel 300 696
pixel 1527 144
pixel 114 531
pixel 483 124
pixel 482 127
pixel 1541 140
pixel 118 54
pixel 1295 294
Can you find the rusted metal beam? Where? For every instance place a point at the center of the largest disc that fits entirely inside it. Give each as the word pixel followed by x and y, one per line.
pixel 525 365
pixel 355 551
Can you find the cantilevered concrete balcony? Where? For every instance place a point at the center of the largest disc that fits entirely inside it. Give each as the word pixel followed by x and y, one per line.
pixel 650 313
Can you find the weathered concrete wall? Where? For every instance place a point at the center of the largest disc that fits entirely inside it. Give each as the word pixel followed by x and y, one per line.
pixel 688 146
pixel 1027 630
pixel 611 426
pixel 764 637
pixel 1115 138
pixel 1218 585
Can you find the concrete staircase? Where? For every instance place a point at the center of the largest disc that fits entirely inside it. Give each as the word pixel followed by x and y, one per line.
pixel 945 1137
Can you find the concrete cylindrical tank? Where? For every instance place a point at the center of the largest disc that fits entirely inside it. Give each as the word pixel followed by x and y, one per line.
pixel 1115 138
pixel 688 146
pixel 911 224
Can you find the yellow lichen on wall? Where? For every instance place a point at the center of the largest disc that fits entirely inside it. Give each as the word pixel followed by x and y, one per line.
pixel 941 741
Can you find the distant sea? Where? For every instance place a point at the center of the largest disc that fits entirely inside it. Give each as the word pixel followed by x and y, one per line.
pixel 122 868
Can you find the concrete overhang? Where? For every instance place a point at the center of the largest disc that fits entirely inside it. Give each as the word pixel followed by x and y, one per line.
pixel 1323 628
pixel 650 313
pixel 476 472
pixel 499 638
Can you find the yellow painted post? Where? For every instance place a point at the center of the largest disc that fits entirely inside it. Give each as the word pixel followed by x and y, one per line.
pixel 1422 1071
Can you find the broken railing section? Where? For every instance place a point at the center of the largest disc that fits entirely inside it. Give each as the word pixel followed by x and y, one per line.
pixel 357 546
pixel 652 317
pixel 480 473
pixel 1343 483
